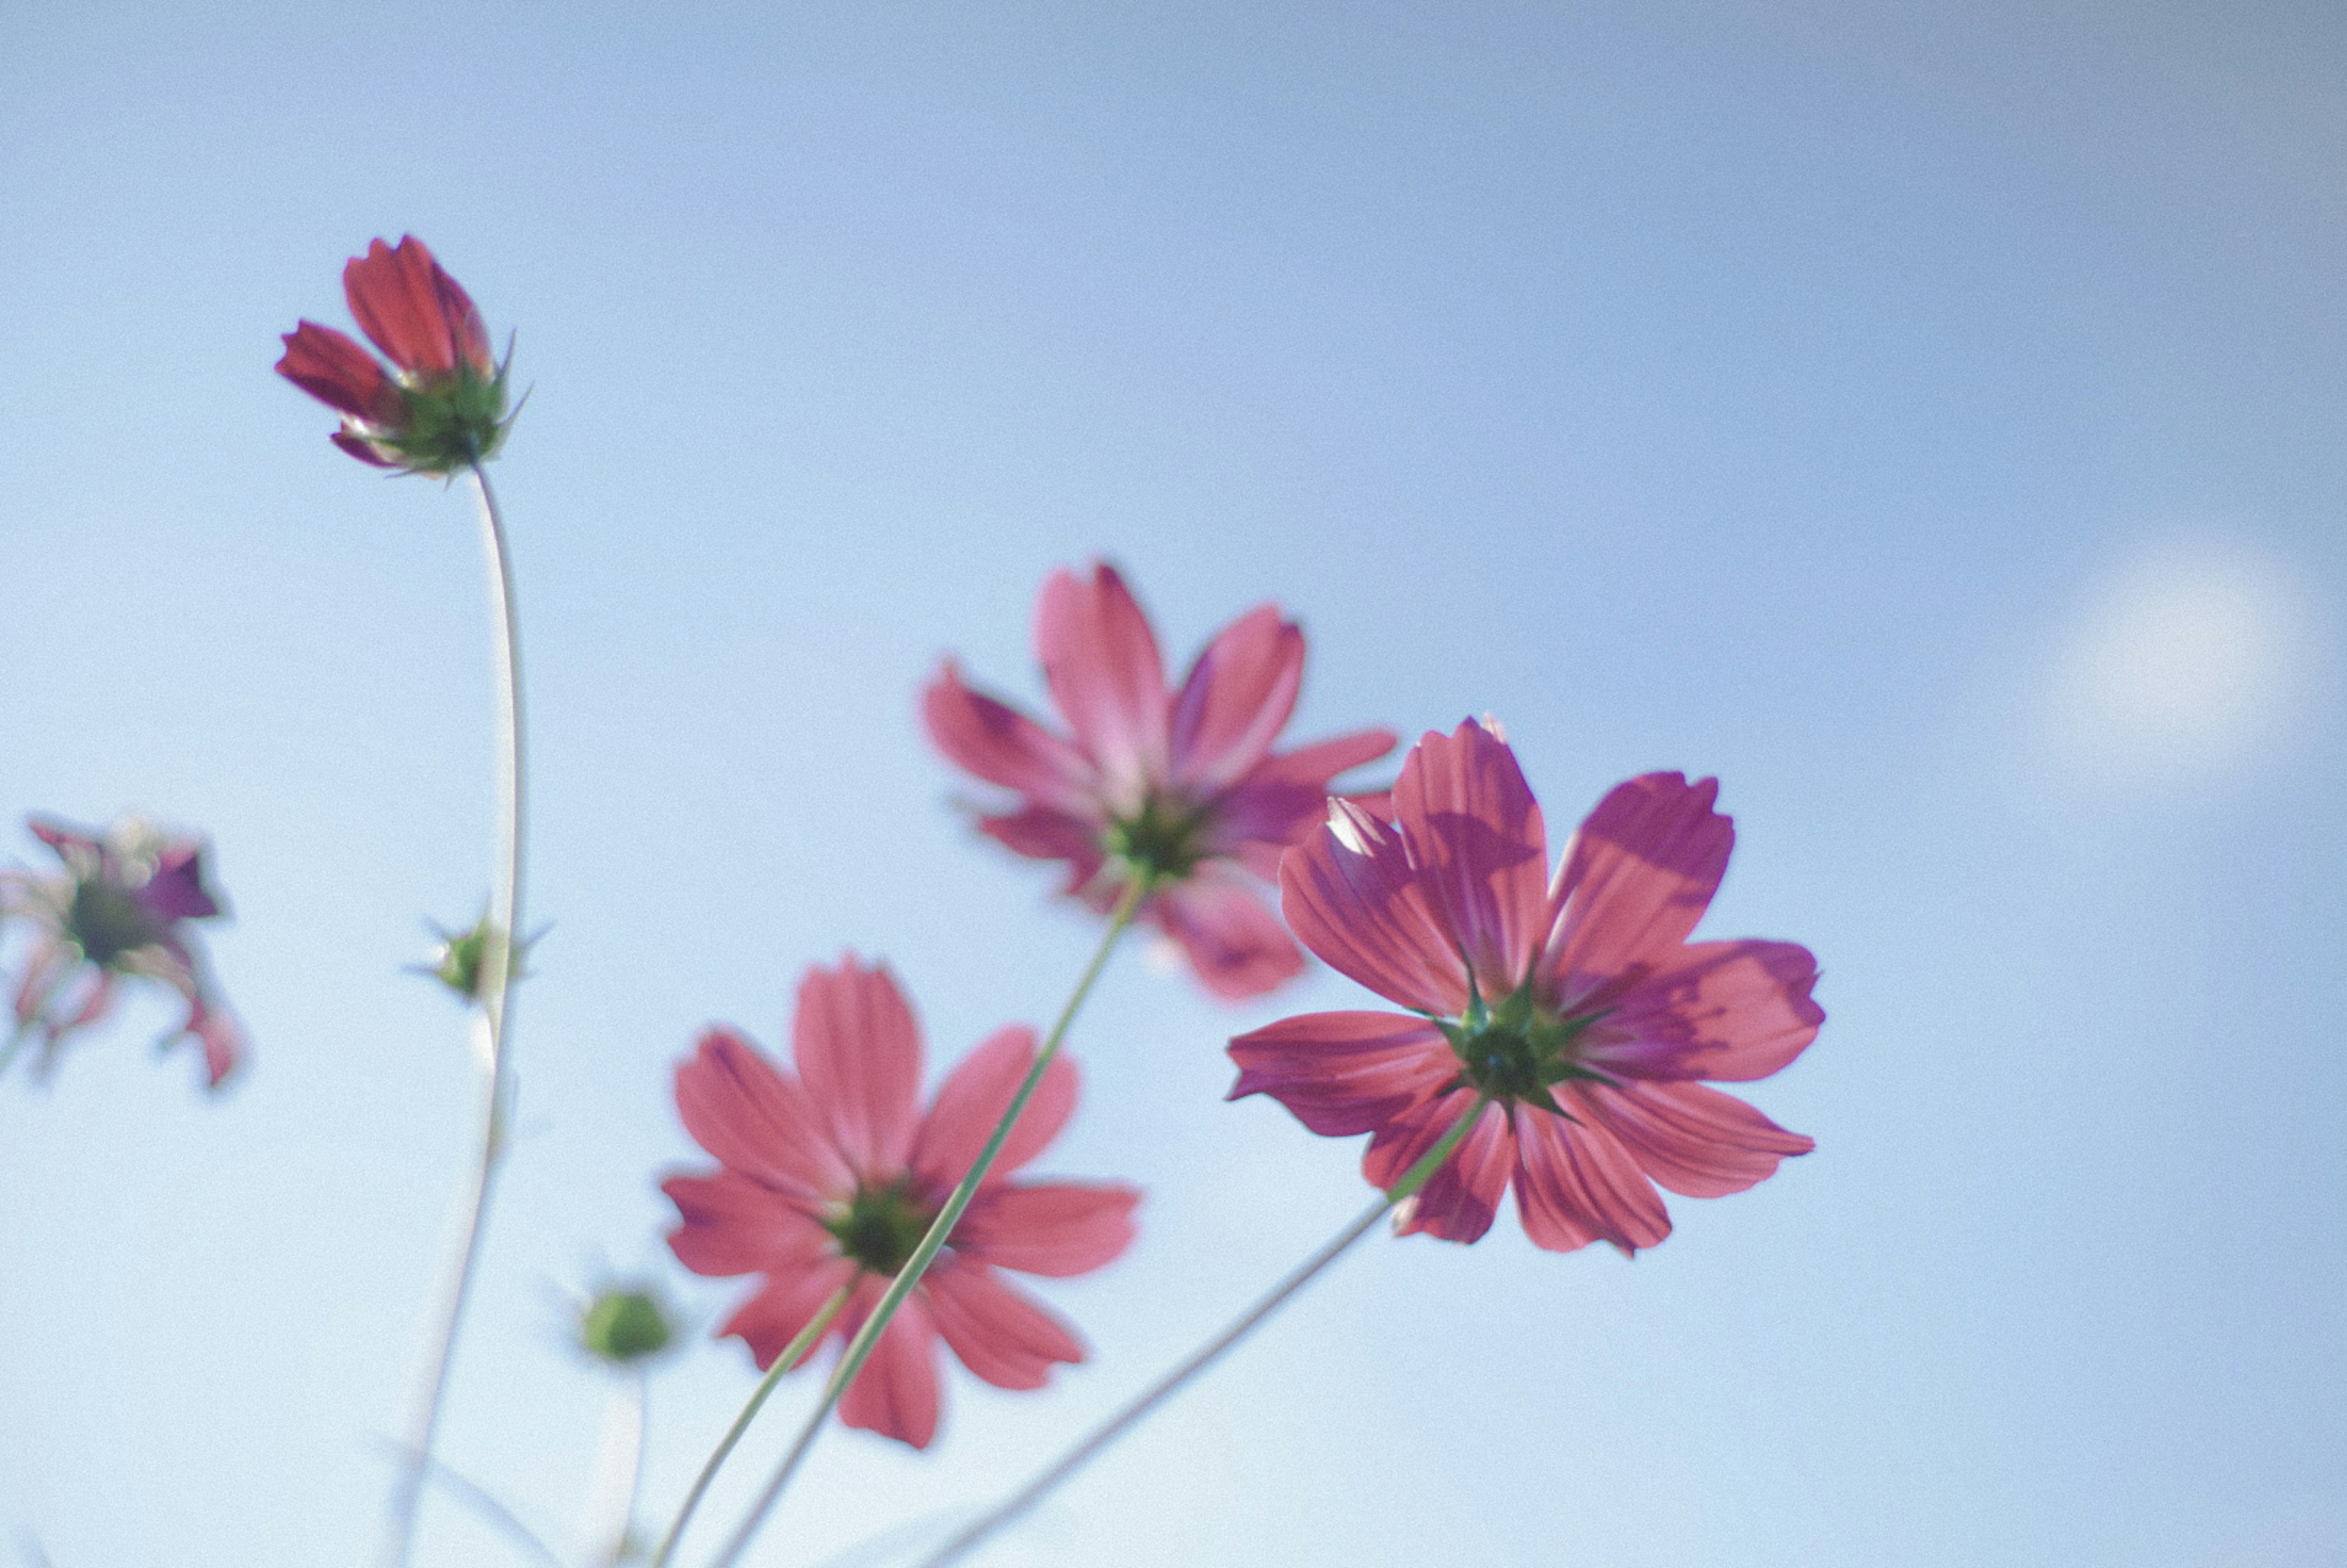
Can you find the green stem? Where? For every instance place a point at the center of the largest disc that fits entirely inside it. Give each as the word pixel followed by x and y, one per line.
pixel 495 996
pixel 1206 1355
pixel 851 1360
pixel 790 1358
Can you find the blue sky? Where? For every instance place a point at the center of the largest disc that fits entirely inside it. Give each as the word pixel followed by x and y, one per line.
pixel 1930 424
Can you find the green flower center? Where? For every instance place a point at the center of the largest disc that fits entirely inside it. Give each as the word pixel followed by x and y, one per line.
pixel 1163 840
pixel 881 1226
pixel 1519 1050
pixel 108 921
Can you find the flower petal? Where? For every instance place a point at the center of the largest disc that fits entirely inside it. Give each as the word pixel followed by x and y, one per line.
pixel 1460 1198
pixel 1638 875
pixel 365 451
pixel 1348 891
pixel 1479 849
pixel 730 1224
pixel 1732 1010
pixel 1000 1334
pixel 332 368
pixel 1575 1183
pixel 1047 833
pixel 1236 699
pixel 1054 1228
pixel 1102 663
pixel 971 1100
pixel 399 304
pixel 759 1121
pixel 1004 746
pixel 1238 948
pixel 176 891
pixel 1284 798
pixel 896 1394
pixel 1694 1141
pixel 1342 1073
pixel 783 1306
pixel 859 1052
pixel 216 1031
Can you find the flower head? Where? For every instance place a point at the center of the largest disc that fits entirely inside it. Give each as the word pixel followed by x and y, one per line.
pixel 1575 1010
pixel 441 407
pixel 119 910
pixel 622 1324
pixel 1180 785
pixel 832 1175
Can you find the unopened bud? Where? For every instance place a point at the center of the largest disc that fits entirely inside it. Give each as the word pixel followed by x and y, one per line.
pixel 623 1327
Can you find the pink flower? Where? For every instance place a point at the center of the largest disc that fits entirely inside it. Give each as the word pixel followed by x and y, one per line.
pixel 119 910
pixel 1578 1006
pixel 832 1175
pixel 1182 784
pixel 441 406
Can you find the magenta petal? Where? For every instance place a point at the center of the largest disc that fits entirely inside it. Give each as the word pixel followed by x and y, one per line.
pixel 1342 1073
pixel 393 298
pixel 1003 746
pixel 222 1041
pixel 176 891
pixel 1046 832
pixel 1238 948
pixel 971 1100
pixel 1576 1184
pixel 1731 1010
pixel 1638 877
pixel 731 1225
pixel 783 1306
pixel 1236 699
pixel 859 1052
pixel 1458 1201
pixel 1100 660
pixel 365 451
pixel 332 368
pixel 1054 1228
pixel 758 1119
pixel 1000 1334
pixel 1349 892
pixel 896 1394
pixel 1479 849
pixel 1693 1140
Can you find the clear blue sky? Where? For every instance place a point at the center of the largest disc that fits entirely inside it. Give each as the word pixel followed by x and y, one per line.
pixel 1927 419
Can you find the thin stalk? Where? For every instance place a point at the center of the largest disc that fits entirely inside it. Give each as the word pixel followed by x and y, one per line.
pixel 610 1510
pixel 792 1354
pixel 485 1503
pixel 851 1360
pixel 496 997
pixel 1205 1356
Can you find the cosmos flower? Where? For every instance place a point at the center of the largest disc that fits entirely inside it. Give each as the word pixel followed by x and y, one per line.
pixel 119 910
pixel 1181 784
pixel 831 1175
pixel 1578 1007
pixel 441 407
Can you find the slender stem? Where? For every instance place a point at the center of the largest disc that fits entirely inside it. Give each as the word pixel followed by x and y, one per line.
pixel 792 1354
pixel 610 1510
pixel 495 996
pixel 1206 1355
pixel 484 1502
pixel 851 1360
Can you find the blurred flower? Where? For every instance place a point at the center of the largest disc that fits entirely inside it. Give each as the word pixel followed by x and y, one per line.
pixel 442 405
pixel 1182 786
pixel 461 954
pixel 623 1324
pixel 120 909
pixel 832 1175
pixel 1579 1009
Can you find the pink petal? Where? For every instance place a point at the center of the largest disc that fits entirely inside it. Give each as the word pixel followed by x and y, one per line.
pixel 399 304
pixel 731 1225
pixel 1638 877
pixel 783 1306
pixel 1478 850
pixel 1342 1073
pixel 223 1042
pixel 467 333
pixel 1236 699
pixel 859 1053
pixel 332 368
pixel 970 1103
pixel 1046 832
pixel 365 451
pixel 1100 660
pixel 896 1394
pixel 759 1121
pixel 1694 1141
pixel 1054 1228
pixel 1576 1184
pixel 1349 892
pixel 1238 948
pixel 1732 1010
pixel 1284 798
pixel 176 891
pixel 1000 1334
pixel 1459 1199
pixel 1003 746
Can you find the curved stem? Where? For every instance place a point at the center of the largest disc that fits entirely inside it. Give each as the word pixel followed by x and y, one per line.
pixel 851 1360
pixel 792 1354
pixel 485 1503
pixel 1205 1356
pixel 496 997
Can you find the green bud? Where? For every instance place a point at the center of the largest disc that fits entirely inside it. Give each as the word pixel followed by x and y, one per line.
pixel 623 1325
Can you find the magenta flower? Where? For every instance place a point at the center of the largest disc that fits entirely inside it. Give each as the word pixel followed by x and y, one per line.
pixel 119 910
pixel 1182 784
pixel 442 405
pixel 1578 1007
pixel 832 1175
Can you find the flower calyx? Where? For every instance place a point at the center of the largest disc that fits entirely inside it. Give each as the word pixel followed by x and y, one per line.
pixel 881 1226
pixel 1517 1051
pixel 1164 841
pixel 461 962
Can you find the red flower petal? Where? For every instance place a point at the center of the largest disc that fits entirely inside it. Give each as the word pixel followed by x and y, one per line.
pixel 1458 1201
pixel 1342 1073
pixel 783 1306
pixel 1236 699
pixel 1003 746
pixel 1100 660
pixel 1731 1010
pixel 396 299
pixel 1047 833
pixel 1478 850
pixel 998 1331
pixel 896 1394
pixel 334 369
pixel 1350 893
pixel 1576 1184
pixel 1694 1141
pixel 1284 798
pixel 759 1121
pixel 859 1053
pixel 1054 1228
pixel 734 1225
pixel 1238 948
pixel 365 451
pixel 971 1100
pixel 1639 875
